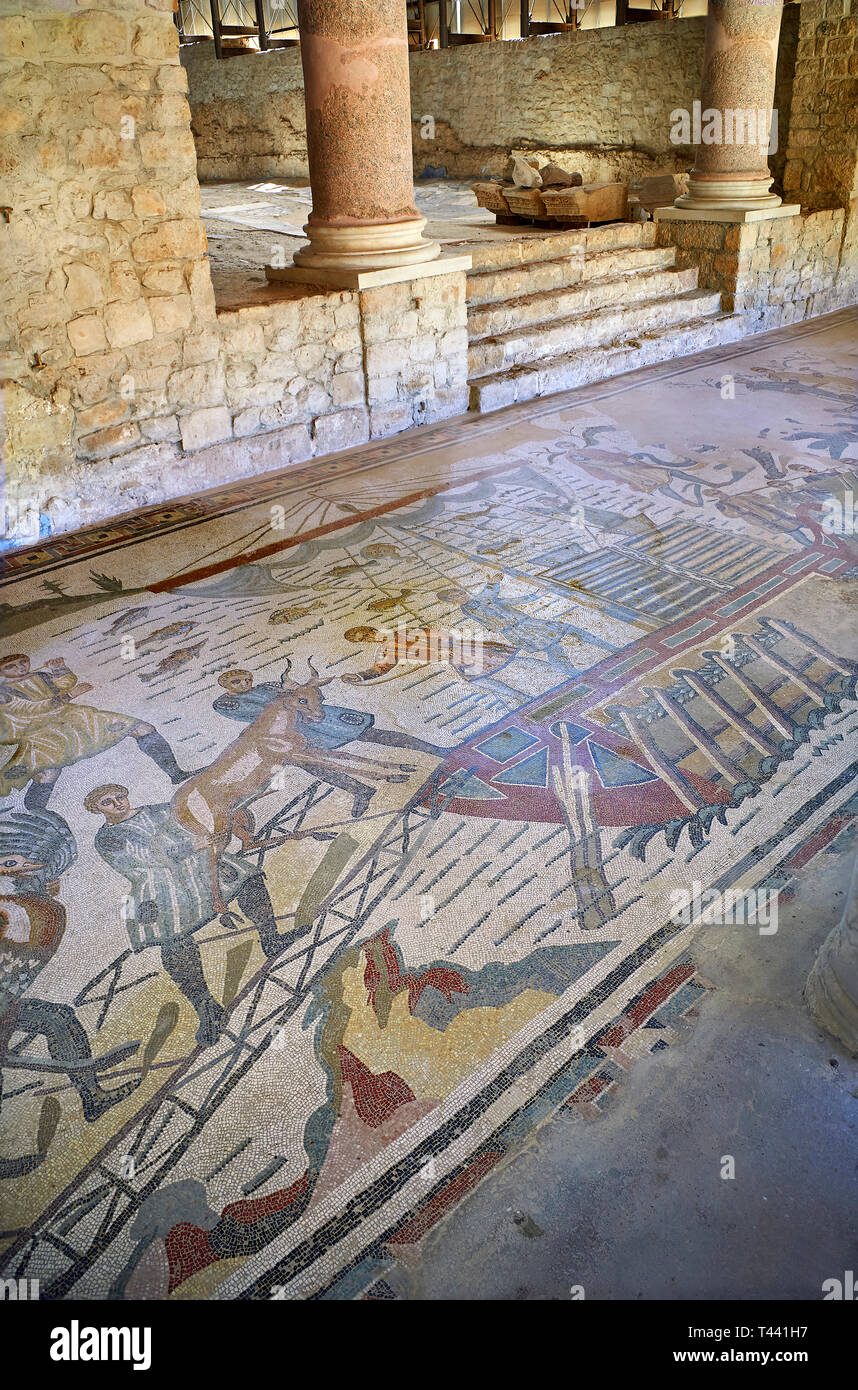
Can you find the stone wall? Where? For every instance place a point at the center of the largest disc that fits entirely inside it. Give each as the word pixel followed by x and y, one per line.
pixel 782 270
pixel 598 101
pixel 124 384
pixel 601 98
pixel 774 272
pixel 247 113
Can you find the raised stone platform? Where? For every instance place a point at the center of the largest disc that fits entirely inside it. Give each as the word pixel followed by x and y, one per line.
pixel 572 308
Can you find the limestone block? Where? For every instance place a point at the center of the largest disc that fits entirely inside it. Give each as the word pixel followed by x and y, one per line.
pixel 340 431
pixel 310 361
pixel 167 147
pixel 18 38
pixel 98 148
pixel 422 348
pixel 390 420
pixel 381 390
pixel 244 339
pixel 347 313
pixel 128 322
pixel 96 36
pixel 349 362
pixel 207 426
pixel 454 342
pixel 163 278
pixel 115 205
pixel 170 313
pixel 109 108
pixel 523 174
pixel 156 37
pixel 385 359
pixel 197 386
pixel 162 428
pixel 347 340
pixel 74 203
pixel 172 109
pixel 347 388
pixel 247 395
pixel 172 78
pixel 199 280
pixel 246 422
pixel 451 400
pixel 133 77
pixel 98 377
pixel 200 347
pixel 116 439
pixel 554 177
pixel 124 283
pixel 43 312
pixel 87 335
pixel 104 413
pixel 147 201
pixel 183 237
pixel 84 288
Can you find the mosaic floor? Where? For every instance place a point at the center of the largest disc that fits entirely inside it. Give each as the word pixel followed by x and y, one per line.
pixel 343 810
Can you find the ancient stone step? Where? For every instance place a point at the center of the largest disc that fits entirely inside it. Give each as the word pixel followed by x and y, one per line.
pixel 522 247
pixel 615 322
pixel 591 363
pixel 487 320
pixel 533 277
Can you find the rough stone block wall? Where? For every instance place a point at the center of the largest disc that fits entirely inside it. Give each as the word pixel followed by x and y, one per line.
pixel 248 112
pixel 774 272
pixel 124 384
pixel 416 343
pixel 784 270
pixel 820 167
pixel 601 97
pixel 599 100
pixel 109 299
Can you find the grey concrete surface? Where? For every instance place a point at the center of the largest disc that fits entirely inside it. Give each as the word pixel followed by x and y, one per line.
pixel 632 1205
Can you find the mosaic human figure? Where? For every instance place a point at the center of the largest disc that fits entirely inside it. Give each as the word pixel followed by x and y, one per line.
pixel 172 894
pixel 36 848
pixel 244 701
pixel 418 646
pixel 524 631
pixel 42 730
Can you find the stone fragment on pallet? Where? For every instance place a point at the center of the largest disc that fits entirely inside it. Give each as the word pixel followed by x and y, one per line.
pixel 554 177
pixel 595 202
pixel 491 196
pixel 658 191
pixel 523 172
pixel 525 202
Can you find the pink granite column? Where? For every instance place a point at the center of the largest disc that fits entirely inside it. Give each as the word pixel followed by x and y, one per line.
pixel 356 91
pixel 732 172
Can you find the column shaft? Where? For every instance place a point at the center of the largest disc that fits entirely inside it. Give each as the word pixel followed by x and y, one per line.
pixel 356 93
pixel 731 167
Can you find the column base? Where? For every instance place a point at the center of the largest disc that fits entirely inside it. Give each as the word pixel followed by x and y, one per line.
pixel 728 200
pixel 366 246
pixel 341 278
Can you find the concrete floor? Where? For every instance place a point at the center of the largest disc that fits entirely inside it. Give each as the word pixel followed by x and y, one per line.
pixel 631 1204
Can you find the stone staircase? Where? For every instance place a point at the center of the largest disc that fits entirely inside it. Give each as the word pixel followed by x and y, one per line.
pixel 554 311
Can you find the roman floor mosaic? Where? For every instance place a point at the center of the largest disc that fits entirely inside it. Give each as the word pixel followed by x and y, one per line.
pixel 343 810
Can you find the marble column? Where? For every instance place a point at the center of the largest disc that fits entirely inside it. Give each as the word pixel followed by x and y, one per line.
pixel 738 79
pixel 356 93
pixel 832 987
